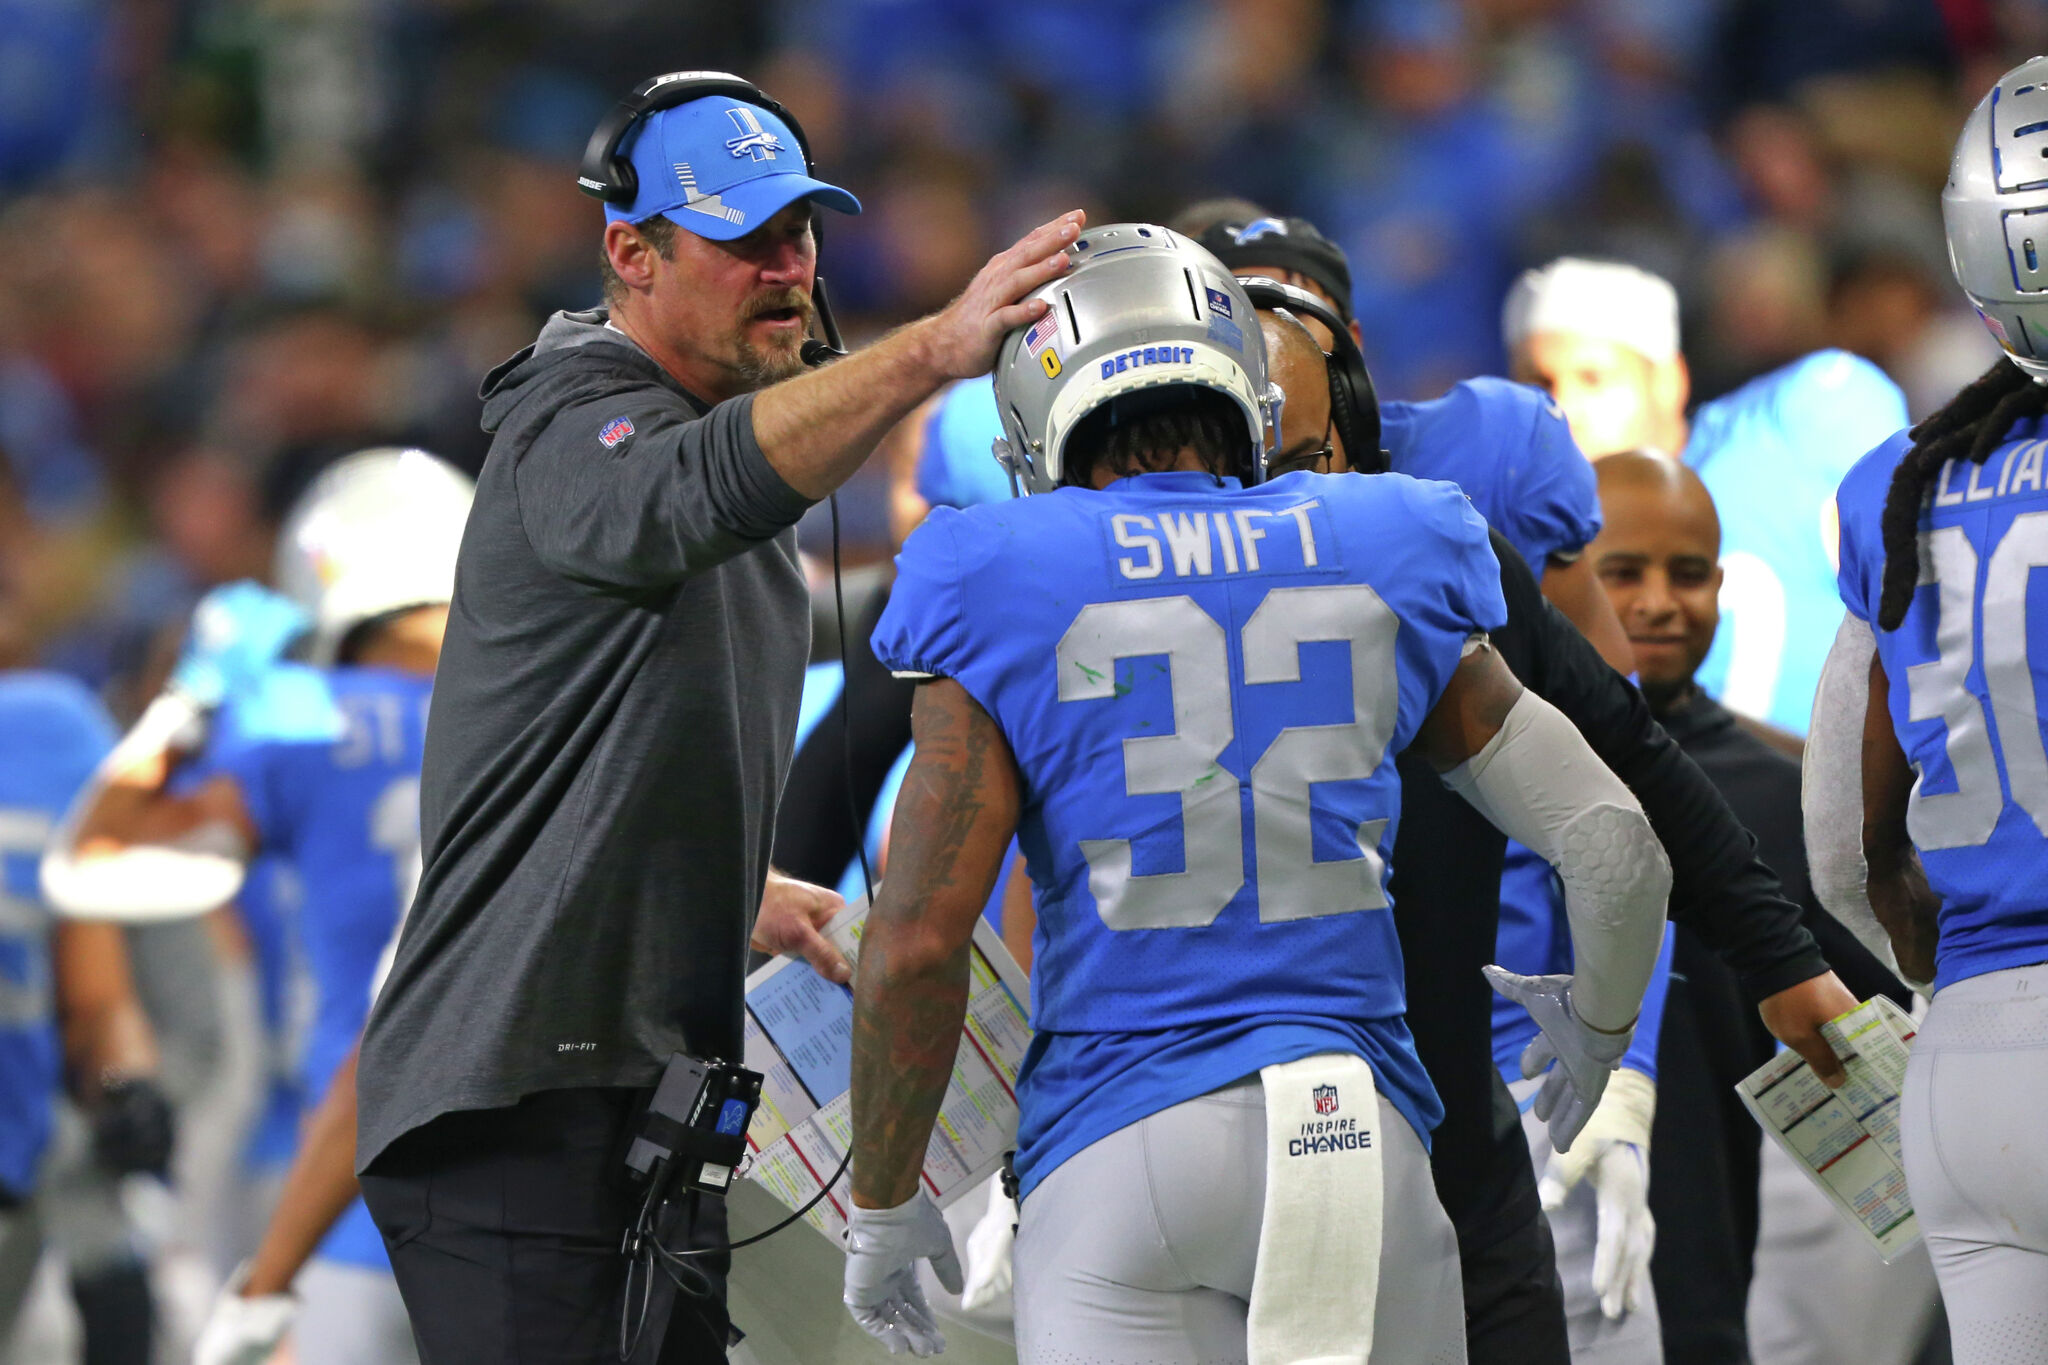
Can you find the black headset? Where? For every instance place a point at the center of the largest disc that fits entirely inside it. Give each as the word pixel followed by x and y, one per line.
pixel 606 175
pixel 1354 403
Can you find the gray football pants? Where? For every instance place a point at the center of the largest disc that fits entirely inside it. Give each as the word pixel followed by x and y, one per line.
pixel 1638 1337
pixel 1141 1248
pixel 350 1315
pixel 1974 1121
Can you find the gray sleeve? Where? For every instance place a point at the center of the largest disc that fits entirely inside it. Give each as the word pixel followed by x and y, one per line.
pixel 673 495
pixel 1831 788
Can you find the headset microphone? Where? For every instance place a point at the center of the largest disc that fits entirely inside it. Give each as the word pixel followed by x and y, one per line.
pixel 816 352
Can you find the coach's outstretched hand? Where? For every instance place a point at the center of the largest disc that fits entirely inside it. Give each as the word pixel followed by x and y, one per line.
pixel 792 913
pixel 965 335
pixel 883 1247
pixel 1585 1056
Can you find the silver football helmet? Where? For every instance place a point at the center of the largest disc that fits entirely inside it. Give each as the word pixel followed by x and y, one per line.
pixel 1141 307
pixel 376 532
pixel 1996 211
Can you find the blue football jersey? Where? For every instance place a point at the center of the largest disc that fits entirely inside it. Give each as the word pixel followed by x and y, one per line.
pixel 1772 454
pixel 268 902
pixel 328 763
pixel 1509 447
pixel 1205 688
pixel 53 733
pixel 1966 668
pixel 956 466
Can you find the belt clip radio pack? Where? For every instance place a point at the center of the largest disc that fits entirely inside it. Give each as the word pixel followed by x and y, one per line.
pixel 695 1130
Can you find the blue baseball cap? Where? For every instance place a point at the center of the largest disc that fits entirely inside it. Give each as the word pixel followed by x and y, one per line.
pixel 719 167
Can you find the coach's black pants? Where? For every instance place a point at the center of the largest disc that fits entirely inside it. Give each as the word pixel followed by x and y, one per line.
pixel 504 1227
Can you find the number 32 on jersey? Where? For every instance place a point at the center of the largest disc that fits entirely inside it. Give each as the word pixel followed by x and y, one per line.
pixel 1293 884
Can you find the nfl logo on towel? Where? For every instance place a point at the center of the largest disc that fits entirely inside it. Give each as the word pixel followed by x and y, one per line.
pixel 1326 1099
pixel 615 431
pixel 1042 331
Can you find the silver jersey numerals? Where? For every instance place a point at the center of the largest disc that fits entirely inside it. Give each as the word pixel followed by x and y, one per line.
pixel 1939 689
pixel 1292 883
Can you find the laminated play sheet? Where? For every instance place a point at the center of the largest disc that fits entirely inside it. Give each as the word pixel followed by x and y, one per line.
pixel 799 1036
pixel 1847 1139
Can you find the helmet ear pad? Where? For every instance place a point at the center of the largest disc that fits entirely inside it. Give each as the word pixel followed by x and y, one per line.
pixel 1354 401
pixel 607 175
pixel 1343 416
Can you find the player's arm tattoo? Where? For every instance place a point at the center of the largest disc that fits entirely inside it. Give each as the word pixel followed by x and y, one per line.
pixel 1905 905
pixel 951 829
pixel 1474 705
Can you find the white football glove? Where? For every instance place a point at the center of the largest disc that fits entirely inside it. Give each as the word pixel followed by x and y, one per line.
pixel 1614 1151
pixel 988 1251
pixel 1585 1056
pixel 883 1247
pixel 244 1331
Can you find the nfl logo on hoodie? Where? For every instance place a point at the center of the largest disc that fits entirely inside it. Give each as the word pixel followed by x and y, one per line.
pixel 615 431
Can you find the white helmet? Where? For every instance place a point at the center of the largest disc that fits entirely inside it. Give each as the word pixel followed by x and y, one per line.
pixel 377 532
pixel 1996 210
pixel 1141 307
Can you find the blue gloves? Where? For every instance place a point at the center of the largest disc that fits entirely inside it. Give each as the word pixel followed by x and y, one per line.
pixel 239 632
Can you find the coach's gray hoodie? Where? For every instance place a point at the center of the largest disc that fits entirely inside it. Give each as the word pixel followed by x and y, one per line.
pixel 612 719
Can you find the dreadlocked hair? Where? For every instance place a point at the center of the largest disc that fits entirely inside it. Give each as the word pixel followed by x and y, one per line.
pixel 1970 427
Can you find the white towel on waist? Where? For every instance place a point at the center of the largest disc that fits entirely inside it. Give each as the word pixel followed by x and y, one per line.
pixel 1318 1272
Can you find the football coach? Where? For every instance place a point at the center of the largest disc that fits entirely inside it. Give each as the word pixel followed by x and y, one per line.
pixel 610 727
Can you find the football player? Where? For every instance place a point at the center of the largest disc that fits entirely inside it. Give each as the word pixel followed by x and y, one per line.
pixel 1602 337
pixel 246 754
pixel 1185 689
pixel 74 977
pixel 1722 895
pixel 1942 663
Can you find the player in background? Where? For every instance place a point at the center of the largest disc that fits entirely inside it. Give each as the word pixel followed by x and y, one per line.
pixel 1509 447
pixel 69 1017
pixel 1657 557
pixel 1448 904
pixel 1505 444
pixel 318 762
pixel 1177 956
pixel 1943 529
pixel 1602 338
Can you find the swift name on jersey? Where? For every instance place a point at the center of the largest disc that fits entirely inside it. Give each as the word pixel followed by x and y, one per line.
pixel 1205 688
pixel 1199 543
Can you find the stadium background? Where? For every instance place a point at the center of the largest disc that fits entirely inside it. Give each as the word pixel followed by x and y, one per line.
pixel 237 238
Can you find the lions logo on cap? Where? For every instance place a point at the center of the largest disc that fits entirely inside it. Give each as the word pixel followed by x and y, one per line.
pixel 754 141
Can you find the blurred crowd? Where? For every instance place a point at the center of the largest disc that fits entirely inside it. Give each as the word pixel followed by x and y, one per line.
pixel 240 237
